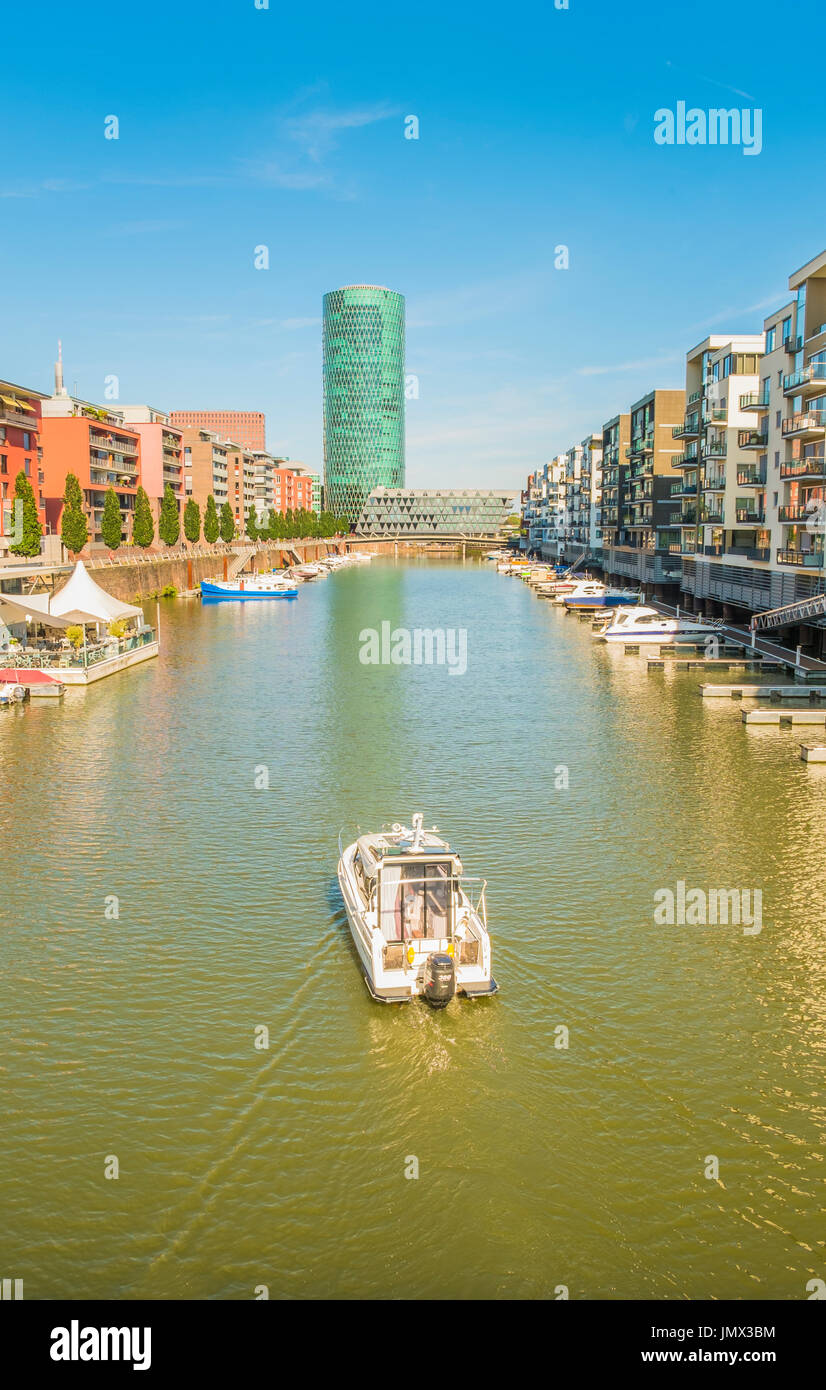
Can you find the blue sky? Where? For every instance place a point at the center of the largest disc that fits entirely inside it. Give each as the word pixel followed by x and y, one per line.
pixel 241 127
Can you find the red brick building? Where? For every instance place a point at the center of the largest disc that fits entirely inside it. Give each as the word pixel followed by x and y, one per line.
pixel 245 427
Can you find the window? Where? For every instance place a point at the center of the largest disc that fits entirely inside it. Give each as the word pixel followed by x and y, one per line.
pixel 786 330
pixel 770 338
pixel 27 440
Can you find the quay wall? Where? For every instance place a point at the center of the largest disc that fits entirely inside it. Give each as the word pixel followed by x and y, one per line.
pixel 132 580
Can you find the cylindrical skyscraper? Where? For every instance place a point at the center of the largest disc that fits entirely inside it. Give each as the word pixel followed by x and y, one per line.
pixel 363 395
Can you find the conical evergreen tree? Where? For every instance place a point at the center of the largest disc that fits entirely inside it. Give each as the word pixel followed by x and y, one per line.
pixel 192 521
pixel 143 525
pixel 111 523
pixel 275 529
pixel 74 532
pixel 29 543
pixel 252 523
pixel 169 521
pixel 212 526
pixel 227 523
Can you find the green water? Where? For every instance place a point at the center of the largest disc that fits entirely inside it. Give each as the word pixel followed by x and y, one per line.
pixel 539 1166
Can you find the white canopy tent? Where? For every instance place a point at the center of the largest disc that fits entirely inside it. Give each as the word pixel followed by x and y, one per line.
pixel 20 608
pixel 81 595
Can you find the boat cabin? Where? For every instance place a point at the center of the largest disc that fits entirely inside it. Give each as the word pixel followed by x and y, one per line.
pixel 412 891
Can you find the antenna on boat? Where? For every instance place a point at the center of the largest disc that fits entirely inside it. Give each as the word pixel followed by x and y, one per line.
pixel 418 823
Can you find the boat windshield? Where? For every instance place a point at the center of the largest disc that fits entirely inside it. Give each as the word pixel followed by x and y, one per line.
pixel 416 901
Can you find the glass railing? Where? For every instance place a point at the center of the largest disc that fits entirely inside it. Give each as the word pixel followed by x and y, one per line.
pixel 805 420
pixel 752 439
pixel 750 477
pixel 811 559
pixel 754 400
pixel 55 657
pixel 816 371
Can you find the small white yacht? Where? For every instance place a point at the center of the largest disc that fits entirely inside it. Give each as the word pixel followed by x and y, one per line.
pixel 419 924
pixel 647 624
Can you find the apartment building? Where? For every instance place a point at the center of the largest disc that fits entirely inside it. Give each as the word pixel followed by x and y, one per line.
pixel 641 543
pixel 162 453
pixel 20 451
pixel 762 544
pixel 719 498
pixel 206 466
pixel 241 481
pixel 616 437
pixel 93 443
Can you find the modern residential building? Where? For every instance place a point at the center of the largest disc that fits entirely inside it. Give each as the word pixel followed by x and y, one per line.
pixel 720 496
pixel 364 442
pixel 641 545
pixel 20 451
pixel 616 438
pixel 162 452
pixel 246 427
pixel 206 466
pixel 241 479
pixel 431 512
pixel 92 442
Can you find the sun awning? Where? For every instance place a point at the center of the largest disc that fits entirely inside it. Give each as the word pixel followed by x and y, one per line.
pixel 19 608
pixel 23 405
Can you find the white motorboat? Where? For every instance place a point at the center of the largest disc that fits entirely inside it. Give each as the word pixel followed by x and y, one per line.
pixel 647 624
pixel 419 924
pixel 309 571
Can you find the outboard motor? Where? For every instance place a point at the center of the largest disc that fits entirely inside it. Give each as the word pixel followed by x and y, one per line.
pixel 439 980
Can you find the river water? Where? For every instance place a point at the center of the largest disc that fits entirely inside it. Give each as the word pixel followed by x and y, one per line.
pixel 542 1168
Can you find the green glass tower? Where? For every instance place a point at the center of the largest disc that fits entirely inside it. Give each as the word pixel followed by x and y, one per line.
pixel 363 395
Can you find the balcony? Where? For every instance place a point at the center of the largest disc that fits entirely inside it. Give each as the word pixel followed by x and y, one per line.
pixel 686 460
pixel 792 344
pixel 695 397
pixel 111 443
pixel 751 476
pixel 809 382
pixel 714 482
pixel 798 512
pixel 749 552
pixel 807 425
pixel 754 400
pixel 809 466
pixel 680 488
pixel 712 550
pixel 20 419
pixel 689 429
pixel 810 559
pixel 711 518
pixel 715 449
pixel 717 415
pixel 688 516
pixel 753 439
pixel 749 516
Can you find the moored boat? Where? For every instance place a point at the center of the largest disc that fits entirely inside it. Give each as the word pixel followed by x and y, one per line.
pixel 419 925
pixel 592 593
pixel 647 624
pixel 247 586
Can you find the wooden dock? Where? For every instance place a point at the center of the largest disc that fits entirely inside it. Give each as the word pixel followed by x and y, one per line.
pixel 764 692
pixel 720 663
pixel 784 718
pixel 813 752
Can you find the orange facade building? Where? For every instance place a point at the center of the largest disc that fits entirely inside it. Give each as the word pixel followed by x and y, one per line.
pixel 100 450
